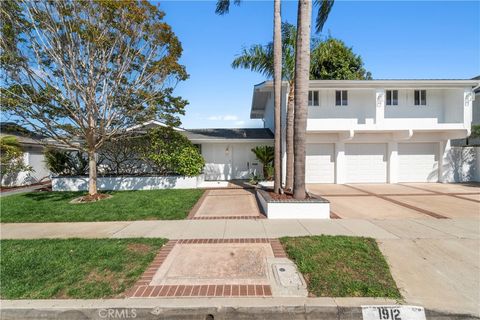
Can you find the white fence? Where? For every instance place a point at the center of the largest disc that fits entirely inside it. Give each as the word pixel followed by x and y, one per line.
pixel 127 183
pixel 462 165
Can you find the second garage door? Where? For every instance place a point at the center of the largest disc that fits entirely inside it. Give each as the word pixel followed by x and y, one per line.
pixel 366 162
pixel 320 163
pixel 417 162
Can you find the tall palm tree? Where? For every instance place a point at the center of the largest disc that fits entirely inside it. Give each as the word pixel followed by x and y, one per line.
pixel 259 58
pixel 223 6
pixel 277 94
pixel 302 71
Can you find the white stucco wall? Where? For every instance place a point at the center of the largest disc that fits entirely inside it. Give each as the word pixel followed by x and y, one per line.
pixel 126 183
pixel 444 106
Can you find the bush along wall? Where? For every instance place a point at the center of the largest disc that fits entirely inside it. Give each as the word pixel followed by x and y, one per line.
pixel 160 152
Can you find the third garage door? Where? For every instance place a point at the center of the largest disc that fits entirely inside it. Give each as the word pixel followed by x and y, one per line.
pixel 417 162
pixel 366 162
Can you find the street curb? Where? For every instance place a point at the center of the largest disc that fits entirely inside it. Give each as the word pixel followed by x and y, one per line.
pixel 202 309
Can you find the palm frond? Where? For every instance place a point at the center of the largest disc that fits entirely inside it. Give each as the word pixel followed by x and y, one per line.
pixel 324 8
pixel 257 58
pixel 223 6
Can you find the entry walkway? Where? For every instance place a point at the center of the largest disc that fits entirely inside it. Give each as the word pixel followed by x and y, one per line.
pixel 235 203
pixel 460 228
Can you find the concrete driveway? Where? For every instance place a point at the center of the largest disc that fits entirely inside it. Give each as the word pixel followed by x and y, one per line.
pixel 400 201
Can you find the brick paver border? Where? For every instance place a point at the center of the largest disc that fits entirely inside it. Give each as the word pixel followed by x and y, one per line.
pixel 197 205
pixel 143 289
pixel 385 197
pixel 333 215
pixel 229 218
pixel 451 194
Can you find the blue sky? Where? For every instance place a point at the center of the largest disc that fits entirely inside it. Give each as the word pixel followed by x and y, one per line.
pixel 396 39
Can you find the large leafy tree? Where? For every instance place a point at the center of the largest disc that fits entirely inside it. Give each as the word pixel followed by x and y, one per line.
pixel 81 72
pixel 223 6
pixel 332 59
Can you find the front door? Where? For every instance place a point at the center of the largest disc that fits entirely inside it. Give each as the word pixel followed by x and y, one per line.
pixel 218 161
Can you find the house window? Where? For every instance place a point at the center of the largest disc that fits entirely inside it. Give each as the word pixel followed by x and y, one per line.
pixel 341 97
pixel 313 99
pixel 420 97
pixel 392 98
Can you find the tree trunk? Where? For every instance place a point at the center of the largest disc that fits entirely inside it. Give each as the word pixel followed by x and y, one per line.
pixel 302 71
pixel 277 100
pixel 92 173
pixel 289 134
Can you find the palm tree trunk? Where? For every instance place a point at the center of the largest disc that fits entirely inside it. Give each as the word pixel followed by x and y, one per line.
pixel 289 134
pixel 277 84
pixel 302 71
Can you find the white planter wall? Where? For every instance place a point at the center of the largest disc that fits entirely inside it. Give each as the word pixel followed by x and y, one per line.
pixel 126 183
pixel 293 209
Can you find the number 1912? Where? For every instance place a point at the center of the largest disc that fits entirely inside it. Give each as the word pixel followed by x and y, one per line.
pixel 389 314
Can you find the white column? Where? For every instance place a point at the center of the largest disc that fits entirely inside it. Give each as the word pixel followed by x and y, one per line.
pixel 380 105
pixel 392 162
pixel 444 174
pixel 468 97
pixel 340 168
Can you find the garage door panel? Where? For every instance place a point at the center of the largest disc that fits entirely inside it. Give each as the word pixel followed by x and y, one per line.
pixel 366 162
pixel 418 162
pixel 320 163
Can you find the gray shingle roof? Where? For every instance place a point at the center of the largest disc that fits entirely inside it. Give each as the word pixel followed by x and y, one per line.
pixel 216 134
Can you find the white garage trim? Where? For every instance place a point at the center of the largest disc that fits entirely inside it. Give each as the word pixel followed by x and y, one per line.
pixel 366 162
pixel 320 163
pixel 418 162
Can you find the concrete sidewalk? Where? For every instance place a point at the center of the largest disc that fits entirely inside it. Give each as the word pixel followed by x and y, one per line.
pixel 227 229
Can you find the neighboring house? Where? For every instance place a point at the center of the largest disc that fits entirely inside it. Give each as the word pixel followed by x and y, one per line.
pixel 383 131
pixel 33 156
pixel 227 152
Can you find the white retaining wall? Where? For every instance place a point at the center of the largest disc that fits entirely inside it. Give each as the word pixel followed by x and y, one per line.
pixel 294 209
pixel 462 164
pixel 126 183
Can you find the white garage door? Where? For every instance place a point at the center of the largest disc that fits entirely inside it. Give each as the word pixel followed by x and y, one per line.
pixel 418 162
pixel 366 162
pixel 320 163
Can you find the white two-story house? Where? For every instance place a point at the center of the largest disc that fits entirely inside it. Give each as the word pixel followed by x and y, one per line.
pixel 383 131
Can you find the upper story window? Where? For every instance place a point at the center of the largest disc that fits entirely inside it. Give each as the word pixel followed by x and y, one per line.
pixel 420 97
pixel 341 97
pixel 392 98
pixel 313 98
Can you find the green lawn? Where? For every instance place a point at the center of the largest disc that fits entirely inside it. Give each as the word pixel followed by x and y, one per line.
pixel 339 266
pixel 73 268
pixel 124 205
